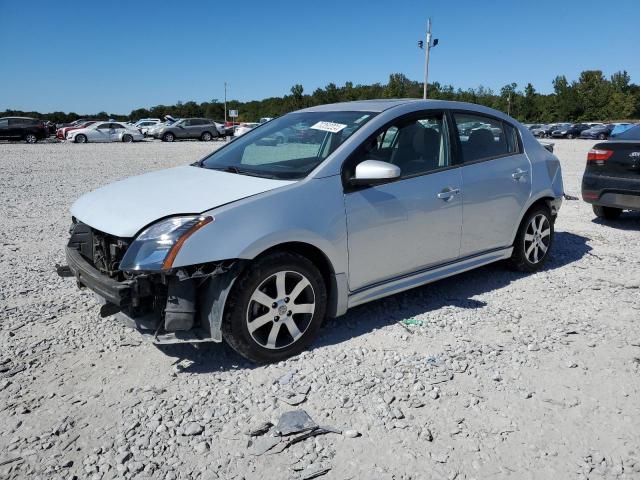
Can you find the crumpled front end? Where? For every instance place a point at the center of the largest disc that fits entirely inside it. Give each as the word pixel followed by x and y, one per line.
pixel 179 305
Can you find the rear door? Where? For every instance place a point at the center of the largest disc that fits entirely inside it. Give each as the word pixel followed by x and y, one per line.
pixel 115 131
pixel 496 177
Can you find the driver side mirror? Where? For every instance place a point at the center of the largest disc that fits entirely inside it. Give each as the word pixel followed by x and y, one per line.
pixel 374 172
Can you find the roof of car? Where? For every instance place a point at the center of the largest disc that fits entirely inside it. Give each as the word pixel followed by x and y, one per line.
pixel 363 105
pixel 381 105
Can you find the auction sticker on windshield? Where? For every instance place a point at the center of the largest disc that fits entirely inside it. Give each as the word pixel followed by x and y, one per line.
pixel 328 127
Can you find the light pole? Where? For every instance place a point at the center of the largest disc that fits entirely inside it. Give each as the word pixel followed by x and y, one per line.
pixel 225 104
pixel 427 50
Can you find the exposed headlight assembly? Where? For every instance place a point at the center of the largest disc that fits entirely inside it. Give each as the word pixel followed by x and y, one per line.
pixel 157 246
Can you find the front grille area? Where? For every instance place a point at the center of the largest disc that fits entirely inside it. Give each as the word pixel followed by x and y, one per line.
pixel 102 250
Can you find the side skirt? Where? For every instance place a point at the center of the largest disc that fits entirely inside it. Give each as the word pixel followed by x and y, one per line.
pixel 422 277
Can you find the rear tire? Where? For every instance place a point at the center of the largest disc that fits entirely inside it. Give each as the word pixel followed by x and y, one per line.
pixel 608 213
pixel 168 137
pixel 206 137
pixel 602 136
pixel 570 136
pixel 260 318
pixel 81 138
pixel 533 241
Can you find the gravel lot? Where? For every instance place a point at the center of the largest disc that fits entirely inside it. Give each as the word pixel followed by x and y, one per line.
pixel 502 375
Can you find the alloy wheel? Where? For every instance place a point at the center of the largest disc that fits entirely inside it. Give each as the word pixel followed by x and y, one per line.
pixel 537 238
pixel 30 138
pixel 284 298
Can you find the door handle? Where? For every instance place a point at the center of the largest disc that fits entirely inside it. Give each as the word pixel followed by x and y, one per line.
pixel 448 193
pixel 518 174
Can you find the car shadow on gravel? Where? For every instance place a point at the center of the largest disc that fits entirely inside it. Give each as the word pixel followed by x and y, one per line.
pixel 627 221
pixel 457 291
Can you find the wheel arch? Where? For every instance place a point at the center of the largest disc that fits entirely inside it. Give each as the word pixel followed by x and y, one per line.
pixel 314 254
pixel 546 200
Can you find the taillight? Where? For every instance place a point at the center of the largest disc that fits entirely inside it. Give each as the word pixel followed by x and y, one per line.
pixel 598 155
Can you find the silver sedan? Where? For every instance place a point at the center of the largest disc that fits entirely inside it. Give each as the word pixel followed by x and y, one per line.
pixel 311 214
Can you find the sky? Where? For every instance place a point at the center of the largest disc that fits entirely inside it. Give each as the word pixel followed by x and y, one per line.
pixel 115 56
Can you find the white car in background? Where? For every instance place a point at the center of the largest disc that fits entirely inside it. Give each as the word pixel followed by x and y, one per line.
pixel 244 128
pixel 145 124
pixel 105 132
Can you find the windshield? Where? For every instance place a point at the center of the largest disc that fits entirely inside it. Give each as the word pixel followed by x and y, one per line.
pixel 289 147
pixel 632 134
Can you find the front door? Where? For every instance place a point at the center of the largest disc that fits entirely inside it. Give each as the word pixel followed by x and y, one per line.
pixel 414 222
pixel 496 177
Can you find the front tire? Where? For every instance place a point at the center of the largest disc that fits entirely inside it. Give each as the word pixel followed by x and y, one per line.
pixel 168 137
pixel 602 136
pixel 607 213
pixel 570 136
pixel 275 308
pixel 81 138
pixel 533 241
pixel 127 138
pixel 30 138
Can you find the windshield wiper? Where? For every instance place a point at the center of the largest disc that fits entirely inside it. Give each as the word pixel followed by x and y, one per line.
pixel 250 173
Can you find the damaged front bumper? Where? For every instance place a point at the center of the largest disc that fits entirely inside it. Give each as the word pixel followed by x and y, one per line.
pixel 173 307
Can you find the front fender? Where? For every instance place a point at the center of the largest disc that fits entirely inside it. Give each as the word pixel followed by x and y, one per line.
pixel 310 211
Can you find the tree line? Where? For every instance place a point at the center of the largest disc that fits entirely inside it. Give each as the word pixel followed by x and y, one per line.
pixel 592 97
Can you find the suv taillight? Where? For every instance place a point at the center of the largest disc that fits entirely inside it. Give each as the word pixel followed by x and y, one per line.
pixel 598 155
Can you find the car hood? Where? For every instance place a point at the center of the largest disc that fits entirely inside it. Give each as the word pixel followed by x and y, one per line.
pixel 123 208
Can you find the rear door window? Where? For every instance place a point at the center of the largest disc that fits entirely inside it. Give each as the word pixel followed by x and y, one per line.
pixel 483 137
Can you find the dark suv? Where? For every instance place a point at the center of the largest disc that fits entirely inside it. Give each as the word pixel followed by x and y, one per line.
pixel 22 128
pixel 200 128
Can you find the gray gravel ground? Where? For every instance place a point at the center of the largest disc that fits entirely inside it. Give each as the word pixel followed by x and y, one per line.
pixel 503 375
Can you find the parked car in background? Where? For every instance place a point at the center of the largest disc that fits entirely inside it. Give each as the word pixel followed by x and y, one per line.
pixel 51 127
pixel 611 180
pixel 544 131
pixel 265 120
pixel 144 124
pixel 567 130
pixel 600 132
pixel 168 120
pixel 23 128
pixel 188 128
pixel 223 130
pixel 244 128
pixel 263 242
pixel 618 128
pixel 105 132
pixel 61 133
pixel 72 124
